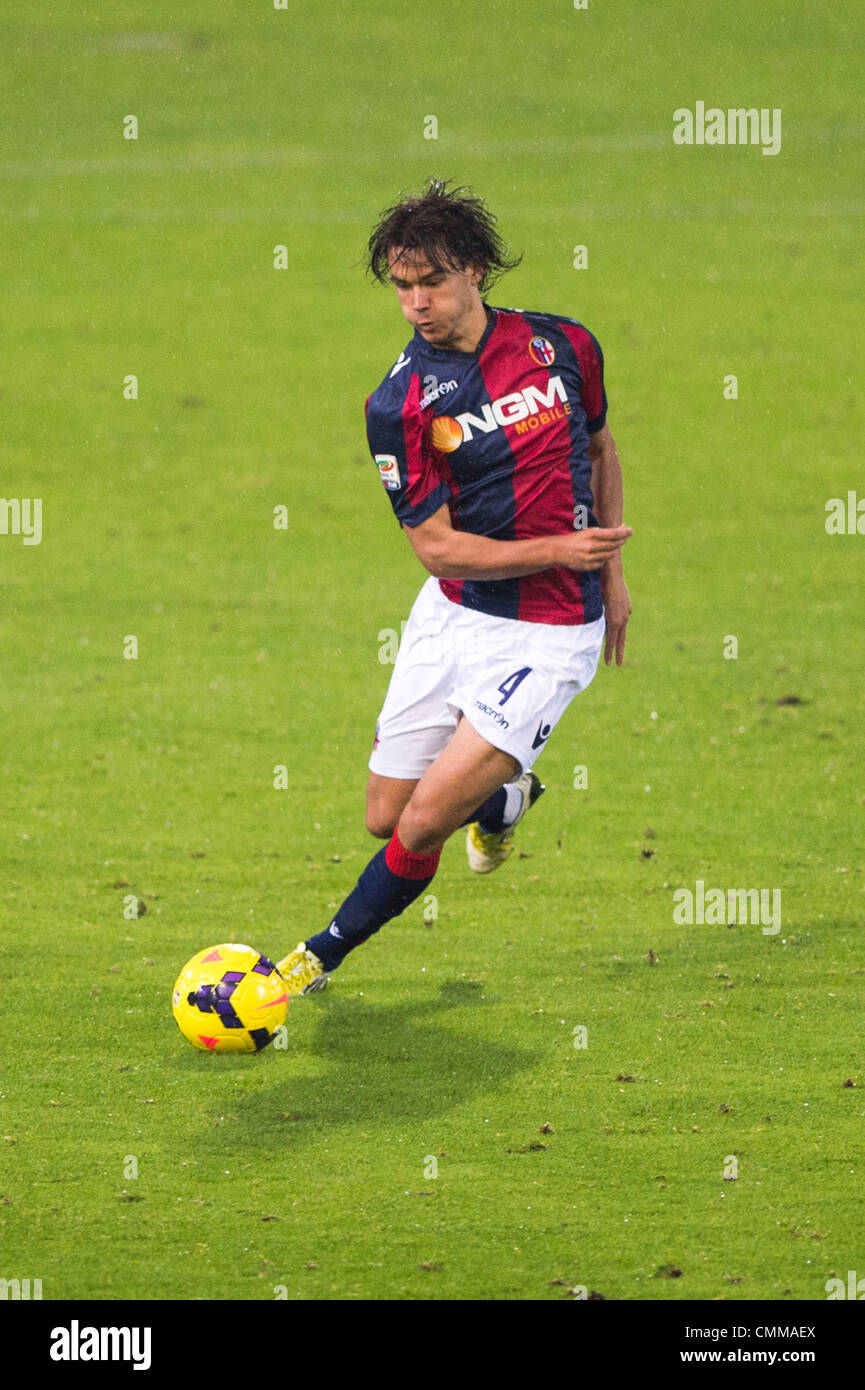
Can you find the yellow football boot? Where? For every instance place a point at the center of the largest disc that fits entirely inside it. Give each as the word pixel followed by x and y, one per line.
pixel 487 850
pixel 302 971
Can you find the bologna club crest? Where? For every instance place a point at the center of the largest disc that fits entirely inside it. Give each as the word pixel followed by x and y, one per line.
pixel 542 351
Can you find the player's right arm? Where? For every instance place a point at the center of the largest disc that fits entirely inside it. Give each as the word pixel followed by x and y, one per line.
pixel 450 554
pixel 420 499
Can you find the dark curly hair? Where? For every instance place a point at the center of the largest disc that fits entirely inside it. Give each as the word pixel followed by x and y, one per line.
pixel 450 226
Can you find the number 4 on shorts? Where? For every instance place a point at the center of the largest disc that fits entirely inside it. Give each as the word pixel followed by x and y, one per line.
pixel 508 686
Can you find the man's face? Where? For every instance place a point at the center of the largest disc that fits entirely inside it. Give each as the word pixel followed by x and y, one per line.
pixel 438 303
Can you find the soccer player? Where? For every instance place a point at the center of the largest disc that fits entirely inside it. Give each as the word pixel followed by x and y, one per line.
pixel 491 440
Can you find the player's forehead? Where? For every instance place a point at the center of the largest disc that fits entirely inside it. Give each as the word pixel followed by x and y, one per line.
pixel 410 265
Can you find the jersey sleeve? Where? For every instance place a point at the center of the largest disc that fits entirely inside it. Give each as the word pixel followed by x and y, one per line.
pixel 594 396
pixel 405 460
pixel 591 364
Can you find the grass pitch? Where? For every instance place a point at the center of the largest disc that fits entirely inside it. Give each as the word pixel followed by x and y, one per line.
pixel 431 1130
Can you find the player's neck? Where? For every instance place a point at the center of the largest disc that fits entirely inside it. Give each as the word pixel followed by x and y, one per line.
pixel 473 330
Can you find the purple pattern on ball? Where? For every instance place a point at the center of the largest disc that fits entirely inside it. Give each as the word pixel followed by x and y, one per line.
pixel 202 998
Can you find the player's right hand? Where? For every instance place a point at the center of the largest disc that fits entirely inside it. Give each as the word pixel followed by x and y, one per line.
pixel 591 548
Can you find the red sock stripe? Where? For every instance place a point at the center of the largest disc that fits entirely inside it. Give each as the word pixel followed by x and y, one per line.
pixel 407 863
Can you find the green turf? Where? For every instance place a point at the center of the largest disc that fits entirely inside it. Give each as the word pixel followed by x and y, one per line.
pixel 308 1169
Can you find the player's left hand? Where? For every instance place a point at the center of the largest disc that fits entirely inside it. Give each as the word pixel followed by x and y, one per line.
pixel 617 610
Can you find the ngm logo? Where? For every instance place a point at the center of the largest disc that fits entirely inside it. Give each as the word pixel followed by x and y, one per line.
pixel 528 409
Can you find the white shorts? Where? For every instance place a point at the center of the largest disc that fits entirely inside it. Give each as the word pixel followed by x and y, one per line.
pixel 511 680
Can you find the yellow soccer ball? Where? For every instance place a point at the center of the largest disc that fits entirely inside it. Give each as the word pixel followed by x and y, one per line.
pixel 229 999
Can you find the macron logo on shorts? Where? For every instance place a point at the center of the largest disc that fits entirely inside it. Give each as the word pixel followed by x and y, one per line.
pixel 494 714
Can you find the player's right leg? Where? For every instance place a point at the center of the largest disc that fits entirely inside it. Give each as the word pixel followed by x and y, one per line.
pixel 415 723
pixel 388 799
pixel 464 775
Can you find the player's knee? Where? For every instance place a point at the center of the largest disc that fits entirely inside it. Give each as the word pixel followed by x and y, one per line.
pixel 420 826
pixel 381 826
pixel 381 817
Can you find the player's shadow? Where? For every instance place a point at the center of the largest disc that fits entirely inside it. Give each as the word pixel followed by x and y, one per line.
pixel 384 1062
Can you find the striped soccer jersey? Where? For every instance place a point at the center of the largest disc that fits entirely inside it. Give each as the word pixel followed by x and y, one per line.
pixel 501 436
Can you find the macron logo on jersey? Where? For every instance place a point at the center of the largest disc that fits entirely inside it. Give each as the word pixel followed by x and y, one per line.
pixel 441 388
pixel 521 408
pixel 402 361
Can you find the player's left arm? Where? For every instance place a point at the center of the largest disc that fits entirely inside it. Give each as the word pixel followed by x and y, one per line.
pixel 609 503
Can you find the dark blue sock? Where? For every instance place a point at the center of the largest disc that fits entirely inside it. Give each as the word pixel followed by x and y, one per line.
pixel 491 813
pixel 391 881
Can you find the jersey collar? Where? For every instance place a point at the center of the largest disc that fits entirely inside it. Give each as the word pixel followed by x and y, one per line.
pixel 454 354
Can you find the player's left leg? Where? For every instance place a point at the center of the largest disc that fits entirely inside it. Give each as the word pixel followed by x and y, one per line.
pixel 387 798
pixel 460 779
pixel 418 720
pixel 463 776
pixel 517 680
pixel 490 835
